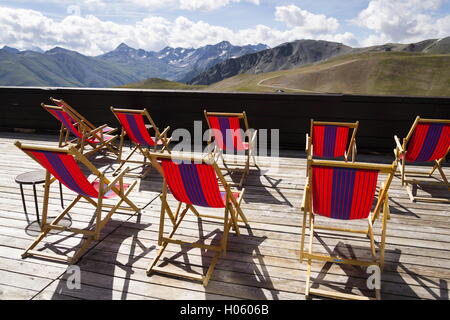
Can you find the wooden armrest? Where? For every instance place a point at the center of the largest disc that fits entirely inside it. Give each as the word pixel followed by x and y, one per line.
pixel 307 143
pixel 163 134
pixel 98 129
pixel 399 146
pixel 304 206
pixel 252 140
pixel 116 179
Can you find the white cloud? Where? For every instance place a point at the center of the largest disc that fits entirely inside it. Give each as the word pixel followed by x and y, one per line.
pixel 402 21
pixel 23 29
pixel 294 16
pixel 207 5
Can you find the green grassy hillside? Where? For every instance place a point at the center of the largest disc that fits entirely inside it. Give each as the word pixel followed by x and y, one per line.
pixel 156 83
pixel 386 73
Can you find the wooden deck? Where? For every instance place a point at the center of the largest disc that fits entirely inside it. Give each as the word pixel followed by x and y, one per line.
pixel 261 264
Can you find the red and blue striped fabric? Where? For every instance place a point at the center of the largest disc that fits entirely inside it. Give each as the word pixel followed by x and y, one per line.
pixel 429 142
pixel 227 133
pixel 343 193
pixel 105 129
pixel 134 125
pixel 66 120
pixel 329 141
pixel 64 168
pixel 193 183
pixel 69 122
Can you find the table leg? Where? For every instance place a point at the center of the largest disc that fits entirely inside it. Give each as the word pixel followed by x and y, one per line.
pixel 36 204
pixel 61 195
pixel 23 199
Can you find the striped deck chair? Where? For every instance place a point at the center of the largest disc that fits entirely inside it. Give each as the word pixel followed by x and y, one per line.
pixel 84 135
pixel 194 182
pixel 344 191
pixel 227 133
pixel 428 140
pixel 61 103
pixel 330 140
pixel 133 125
pixel 60 164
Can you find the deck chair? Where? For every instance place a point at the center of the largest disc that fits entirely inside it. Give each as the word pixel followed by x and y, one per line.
pixel 227 133
pixel 344 191
pixel 330 140
pixel 133 125
pixel 428 140
pixel 60 164
pixel 84 135
pixel 194 182
pixel 61 103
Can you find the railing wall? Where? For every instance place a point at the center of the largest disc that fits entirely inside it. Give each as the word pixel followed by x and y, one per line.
pixel 380 116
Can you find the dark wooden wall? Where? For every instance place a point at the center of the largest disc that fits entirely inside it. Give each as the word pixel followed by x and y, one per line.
pixel 380 116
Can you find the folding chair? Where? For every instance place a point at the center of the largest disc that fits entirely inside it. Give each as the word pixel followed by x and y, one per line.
pixel 344 191
pixel 195 182
pixel 428 140
pixel 60 164
pixel 84 135
pixel 133 125
pixel 61 103
pixel 227 133
pixel 330 140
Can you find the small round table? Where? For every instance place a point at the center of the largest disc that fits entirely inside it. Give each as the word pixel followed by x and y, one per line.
pixel 33 178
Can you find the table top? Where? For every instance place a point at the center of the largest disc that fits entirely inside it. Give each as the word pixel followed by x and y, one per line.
pixel 31 177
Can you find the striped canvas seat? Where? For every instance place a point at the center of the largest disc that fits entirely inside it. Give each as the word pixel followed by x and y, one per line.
pixel 63 104
pixel 62 164
pixel 332 140
pixel 329 141
pixel 64 168
pixel 428 140
pixel 194 182
pixel 133 124
pixel 227 133
pixel 231 137
pixel 343 193
pixel 97 138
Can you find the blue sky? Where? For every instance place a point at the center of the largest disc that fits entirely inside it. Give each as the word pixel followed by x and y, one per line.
pixel 96 26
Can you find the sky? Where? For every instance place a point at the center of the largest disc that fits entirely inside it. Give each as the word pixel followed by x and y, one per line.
pixel 93 27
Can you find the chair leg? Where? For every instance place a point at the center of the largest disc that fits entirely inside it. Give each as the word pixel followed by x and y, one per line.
pixel 211 269
pixel 308 270
pixel 383 231
pixel 302 241
pixel 122 162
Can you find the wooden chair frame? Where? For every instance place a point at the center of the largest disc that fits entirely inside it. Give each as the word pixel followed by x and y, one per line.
pixel 232 216
pixel 250 153
pixel 79 117
pixel 86 134
pixel 159 136
pixel 400 154
pixel 350 152
pixel 382 206
pixel 105 185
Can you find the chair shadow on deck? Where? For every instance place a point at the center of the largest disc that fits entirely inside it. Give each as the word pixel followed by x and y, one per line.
pixel 393 283
pixel 99 266
pixel 240 268
pixel 259 182
pixel 236 269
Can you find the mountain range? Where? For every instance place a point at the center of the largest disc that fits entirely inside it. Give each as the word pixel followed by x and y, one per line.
pixel 201 66
pixel 301 52
pixel 62 67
